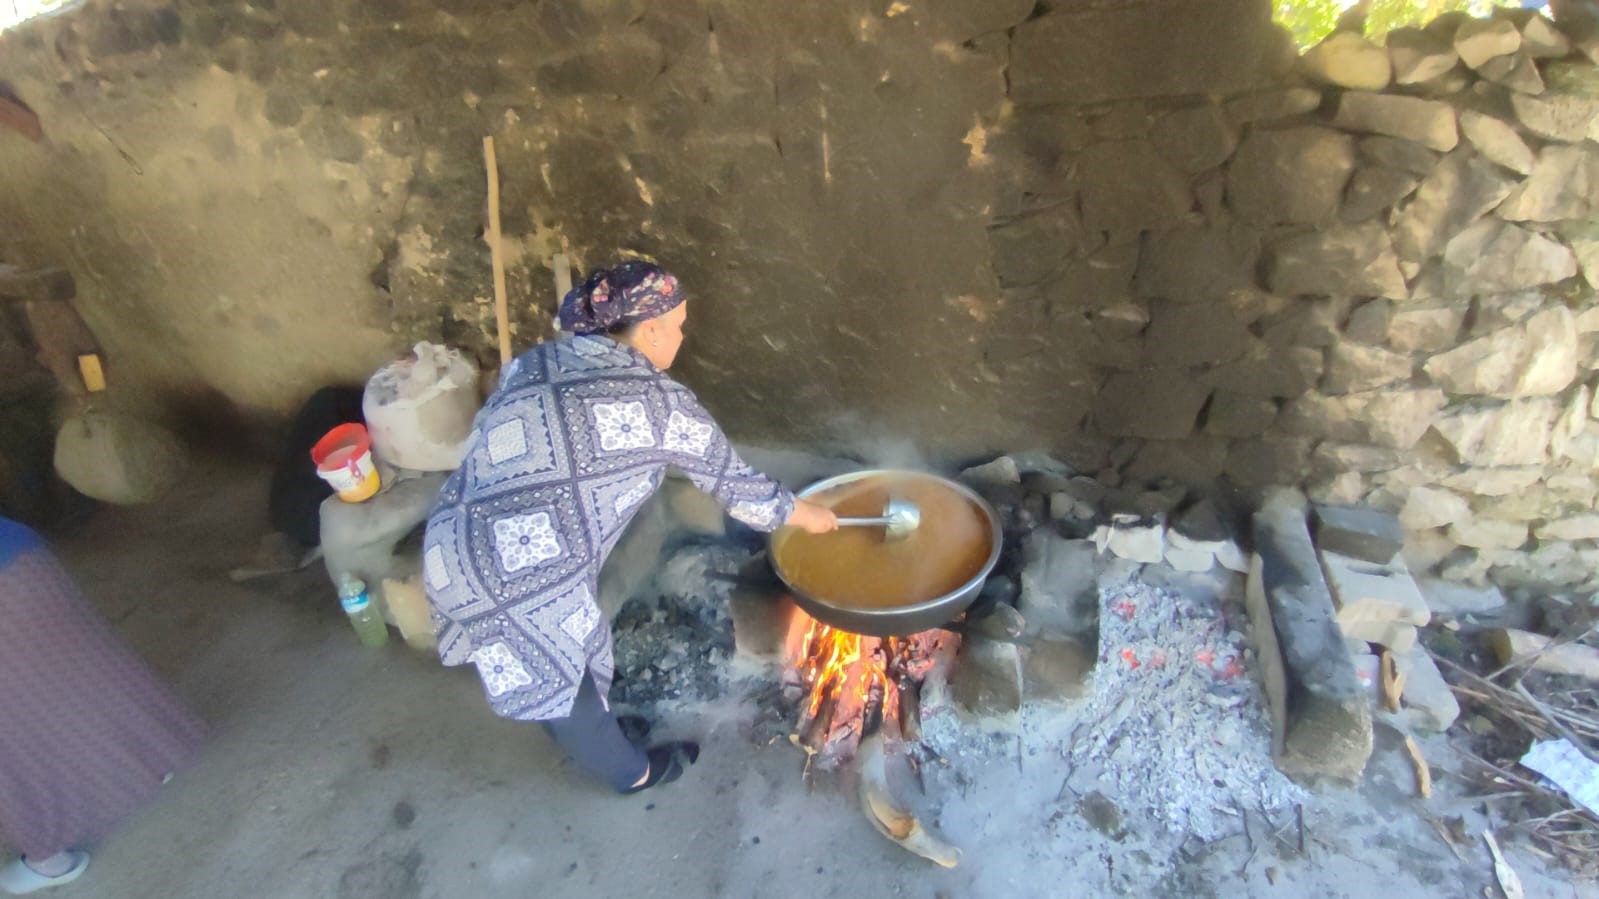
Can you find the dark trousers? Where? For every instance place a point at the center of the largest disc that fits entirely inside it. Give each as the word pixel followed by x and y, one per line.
pixel 594 741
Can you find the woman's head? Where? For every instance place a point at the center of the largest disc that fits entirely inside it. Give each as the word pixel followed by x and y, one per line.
pixel 636 303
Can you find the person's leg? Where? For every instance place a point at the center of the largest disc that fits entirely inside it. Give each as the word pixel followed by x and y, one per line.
pixel 594 741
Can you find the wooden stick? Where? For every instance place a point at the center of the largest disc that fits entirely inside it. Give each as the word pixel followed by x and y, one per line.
pixel 1393 683
pixel 502 309
pixel 1423 773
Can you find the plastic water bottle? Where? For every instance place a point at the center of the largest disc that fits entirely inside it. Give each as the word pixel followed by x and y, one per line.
pixel 364 617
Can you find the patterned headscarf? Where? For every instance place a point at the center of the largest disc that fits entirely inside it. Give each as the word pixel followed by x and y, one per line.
pixel 632 291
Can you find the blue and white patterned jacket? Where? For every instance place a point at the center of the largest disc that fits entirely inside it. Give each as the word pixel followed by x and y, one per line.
pixel 579 434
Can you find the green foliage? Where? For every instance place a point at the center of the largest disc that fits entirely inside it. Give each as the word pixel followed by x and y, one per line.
pixel 1308 20
pixel 1312 20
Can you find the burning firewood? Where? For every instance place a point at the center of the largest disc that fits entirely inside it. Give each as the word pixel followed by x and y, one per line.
pixel 885 814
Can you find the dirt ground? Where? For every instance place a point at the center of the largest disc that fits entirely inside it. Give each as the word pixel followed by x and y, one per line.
pixel 340 772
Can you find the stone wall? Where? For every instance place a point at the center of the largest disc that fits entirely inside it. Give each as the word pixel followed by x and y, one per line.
pixel 1138 234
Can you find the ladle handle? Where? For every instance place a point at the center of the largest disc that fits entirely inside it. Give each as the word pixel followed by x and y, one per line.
pixel 864 522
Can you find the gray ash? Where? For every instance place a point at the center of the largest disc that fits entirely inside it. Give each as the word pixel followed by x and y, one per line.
pixel 674 642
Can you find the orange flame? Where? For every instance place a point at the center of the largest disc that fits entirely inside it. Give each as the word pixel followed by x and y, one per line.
pixel 831 661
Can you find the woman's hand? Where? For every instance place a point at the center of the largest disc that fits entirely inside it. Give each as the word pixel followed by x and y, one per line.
pixel 812 518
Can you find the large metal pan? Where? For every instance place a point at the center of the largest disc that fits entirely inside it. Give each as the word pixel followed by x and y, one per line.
pixel 901 620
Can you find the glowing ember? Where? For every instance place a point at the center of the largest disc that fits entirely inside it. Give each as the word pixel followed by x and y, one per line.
pixel 850 684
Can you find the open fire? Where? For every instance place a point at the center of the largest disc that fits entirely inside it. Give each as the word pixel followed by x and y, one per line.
pixel 847 686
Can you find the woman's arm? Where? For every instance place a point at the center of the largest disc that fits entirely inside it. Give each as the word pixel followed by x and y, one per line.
pixel 698 447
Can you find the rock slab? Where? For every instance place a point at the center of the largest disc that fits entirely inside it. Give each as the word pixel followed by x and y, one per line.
pixel 1327 728
pixel 1359 532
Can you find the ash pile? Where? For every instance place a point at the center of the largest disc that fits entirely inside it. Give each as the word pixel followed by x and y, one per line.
pixel 1176 726
pixel 674 640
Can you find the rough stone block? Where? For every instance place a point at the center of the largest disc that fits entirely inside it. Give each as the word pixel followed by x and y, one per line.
pixel 1452 196
pixel 1517 72
pixel 1060 595
pixel 1576 527
pixel 1326 729
pixel 1196 461
pixel 1447 599
pixel 1369 322
pixel 1307 321
pixel 1127 537
pixel 1236 415
pixel 999 472
pixel 1358 532
pixel 1232 558
pixel 1542 40
pixel 1099 281
pixel 1031 247
pixel 1536 358
pixel 1271 459
pixel 1094 54
pixel 1428 703
pixel 1188 334
pixel 987 681
pixel 1480 40
pixel 1157 403
pixel 1482 533
pixel 1373 593
pixel 1418 56
pixel 1352 368
pixel 1392 635
pixel 1346 59
pixel 1345 489
pixel 1279 104
pixel 1494 481
pixel 966 19
pixel 1296 175
pixel 1497 141
pixel 1431 507
pixel 1559 187
pixel 1191 560
pixel 1493 256
pixel 1398 154
pixel 1200 526
pixel 1354 260
pixel 1390 418
pixel 1196 264
pixel 1373 190
pixel 1127 187
pixel 1506 434
pixel 1334 457
pixel 1425 329
pixel 1555 115
pixel 1195 139
pixel 1430 123
pixel 1268 372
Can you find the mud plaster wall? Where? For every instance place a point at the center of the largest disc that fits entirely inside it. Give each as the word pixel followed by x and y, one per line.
pixel 1141 235
pixel 260 197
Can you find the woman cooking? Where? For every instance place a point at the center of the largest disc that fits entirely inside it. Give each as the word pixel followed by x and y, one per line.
pixel 566 451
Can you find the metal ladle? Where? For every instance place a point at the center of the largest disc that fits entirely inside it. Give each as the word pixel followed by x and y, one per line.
pixel 898 520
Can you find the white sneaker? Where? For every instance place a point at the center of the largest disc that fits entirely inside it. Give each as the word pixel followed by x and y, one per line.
pixel 18 879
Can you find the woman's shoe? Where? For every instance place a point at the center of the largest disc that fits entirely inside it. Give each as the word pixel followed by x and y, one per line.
pixel 18 879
